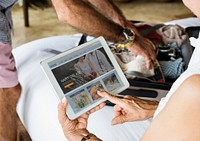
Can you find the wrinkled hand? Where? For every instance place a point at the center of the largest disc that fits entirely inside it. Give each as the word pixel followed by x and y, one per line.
pixel 143 46
pixel 74 129
pixel 130 108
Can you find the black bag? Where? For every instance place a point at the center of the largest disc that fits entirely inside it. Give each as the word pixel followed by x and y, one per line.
pixel 155 90
pixel 146 89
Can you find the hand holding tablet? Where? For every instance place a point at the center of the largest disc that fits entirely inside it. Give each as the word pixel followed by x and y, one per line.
pixel 78 73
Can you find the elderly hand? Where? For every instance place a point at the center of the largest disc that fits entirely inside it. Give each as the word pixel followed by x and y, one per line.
pixel 143 46
pixel 130 108
pixel 74 130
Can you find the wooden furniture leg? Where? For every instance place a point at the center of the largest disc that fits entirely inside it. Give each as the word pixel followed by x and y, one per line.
pixel 25 11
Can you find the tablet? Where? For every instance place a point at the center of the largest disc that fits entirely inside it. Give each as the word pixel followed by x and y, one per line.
pixel 78 73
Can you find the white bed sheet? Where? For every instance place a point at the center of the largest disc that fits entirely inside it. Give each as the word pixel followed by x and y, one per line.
pixel 37 107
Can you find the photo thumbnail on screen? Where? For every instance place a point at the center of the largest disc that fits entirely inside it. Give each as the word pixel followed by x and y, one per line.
pixel 79 100
pixel 93 90
pixel 111 83
pixel 85 97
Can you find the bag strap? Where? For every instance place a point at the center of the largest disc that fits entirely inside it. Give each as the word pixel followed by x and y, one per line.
pixel 152 29
pixel 54 51
pixel 139 75
pixel 83 39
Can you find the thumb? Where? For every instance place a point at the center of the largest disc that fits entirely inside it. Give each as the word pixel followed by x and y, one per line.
pixel 62 110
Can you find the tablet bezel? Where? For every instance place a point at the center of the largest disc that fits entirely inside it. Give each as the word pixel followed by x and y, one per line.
pixel 59 92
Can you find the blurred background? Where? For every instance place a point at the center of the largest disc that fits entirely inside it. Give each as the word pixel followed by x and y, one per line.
pixel 43 22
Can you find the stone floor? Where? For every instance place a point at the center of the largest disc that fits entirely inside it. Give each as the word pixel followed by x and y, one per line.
pixel 44 23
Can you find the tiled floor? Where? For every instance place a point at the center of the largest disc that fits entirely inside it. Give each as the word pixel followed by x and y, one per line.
pixel 44 23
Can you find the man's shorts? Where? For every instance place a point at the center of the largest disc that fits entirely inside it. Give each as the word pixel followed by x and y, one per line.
pixel 8 72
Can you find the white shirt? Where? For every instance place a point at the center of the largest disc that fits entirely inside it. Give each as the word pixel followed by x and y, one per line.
pixel 99 61
pixel 85 67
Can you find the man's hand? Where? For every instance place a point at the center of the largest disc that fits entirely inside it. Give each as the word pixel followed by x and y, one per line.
pixel 130 108
pixel 74 129
pixel 143 46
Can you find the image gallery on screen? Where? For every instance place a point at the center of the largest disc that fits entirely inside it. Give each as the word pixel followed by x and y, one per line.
pixel 80 78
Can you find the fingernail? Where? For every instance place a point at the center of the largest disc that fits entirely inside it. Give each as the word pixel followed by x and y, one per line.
pixel 113 122
pixel 64 100
pixel 99 93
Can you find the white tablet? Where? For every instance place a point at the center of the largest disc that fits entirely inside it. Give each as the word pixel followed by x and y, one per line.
pixel 79 72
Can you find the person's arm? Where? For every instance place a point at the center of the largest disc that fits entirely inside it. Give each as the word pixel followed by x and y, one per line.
pixel 75 130
pixel 130 108
pixel 111 11
pixel 179 120
pixel 84 17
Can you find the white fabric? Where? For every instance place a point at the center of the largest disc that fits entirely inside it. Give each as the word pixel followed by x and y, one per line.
pixel 85 67
pixel 98 59
pixel 185 22
pixel 37 107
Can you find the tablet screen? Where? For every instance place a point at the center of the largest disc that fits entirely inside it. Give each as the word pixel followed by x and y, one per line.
pixel 81 77
pixel 78 73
